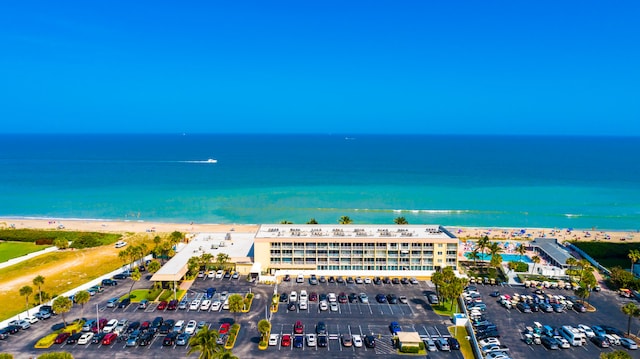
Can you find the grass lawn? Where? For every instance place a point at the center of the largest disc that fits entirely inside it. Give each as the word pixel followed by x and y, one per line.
pixel 465 345
pixel 609 254
pixel 444 308
pixel 62 270
pixel 10 250
pixel 136 295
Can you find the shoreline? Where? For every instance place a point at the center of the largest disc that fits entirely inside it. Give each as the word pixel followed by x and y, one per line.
pixel 462 232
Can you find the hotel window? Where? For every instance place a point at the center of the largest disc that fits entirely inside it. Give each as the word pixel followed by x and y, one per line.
pixel 298 253
pixel 357 253
pixel 275 252
pixel 393 254
pixel 381 245
pixel 298 260
pixel 428 245
pixel 286 260
pixel 452 253
pixel 275 260
pixel 287 245
pixel 345 253
pixel 416 245
pixel 439 245
pixel 416 253
pixel 275 244
pixel 333 253
pixel 345 245
pixel 310 261
pixel 381 253
pixel 287 252
pixel 439 253
pixel 381 260
pixel 322 253
pixel 298 245
pixel 334 245
pixel 310 252
pixel 311 245
pixel 322 245
pixel 369 260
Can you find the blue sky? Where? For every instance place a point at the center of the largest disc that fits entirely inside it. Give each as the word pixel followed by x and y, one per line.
pixel 452 67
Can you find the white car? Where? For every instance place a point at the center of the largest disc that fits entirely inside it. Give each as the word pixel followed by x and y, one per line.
pixel 178 326
pixel 303 295
pixel 293 297
pixel 359 280
pixel 211 274
pixel 311 340
pixel 628 343
pixel 367 280
pixel 85 338
pixel 219 274
pixel 225 305
pixel 333 306
pixel 273 339
pixel 205 305
pixel 564 344
pixel 303 305
pixel 332 297
pixel 300 278
pixel 195 304
pixel 110 326
pixel 431 345
pixel 363 298
pixel 216 306
pixel 357 341
pixel 323 305
pixel 489 341
pixel 224 295
pixel 498 355
pixel 120 244
pixel 586 330
pixel 403 299
pixel 32 320
pixel 23 324
pixel 191 327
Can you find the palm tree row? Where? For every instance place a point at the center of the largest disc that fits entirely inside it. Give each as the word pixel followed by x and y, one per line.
pixel 348 220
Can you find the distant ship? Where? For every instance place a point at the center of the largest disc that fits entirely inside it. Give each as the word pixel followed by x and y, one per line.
pixel 211 160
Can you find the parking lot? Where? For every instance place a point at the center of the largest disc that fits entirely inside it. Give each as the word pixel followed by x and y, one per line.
pixel 24 341
pixel 511 323
pixel 357 318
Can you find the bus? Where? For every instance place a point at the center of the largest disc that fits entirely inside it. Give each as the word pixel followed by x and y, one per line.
pixel 572 335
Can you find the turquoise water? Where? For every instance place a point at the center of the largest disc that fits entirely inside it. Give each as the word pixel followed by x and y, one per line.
pixel 451 180
pixel 505 257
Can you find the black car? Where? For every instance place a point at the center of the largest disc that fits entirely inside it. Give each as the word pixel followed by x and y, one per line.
pixel 120 276
pixel 157 322
pixel 377 281
pixel 4 334
pixel 321 328
pixel 97 338
pixel 550 342
pixel 353 297
pixel 284 297
pixel 133 326
pixel 370 341
pixel 332 280
pixel 381 298
pixel 453 343
pixel 350 280
pixel 495 293
pixel 55 327
pixel 392 299
pixel 611 330
pixel 292 307
pixel 107 282
pixel 404 280
pixel 124 303
pixel 386 280
pixel 340 280
pixel 227 275
pixel 322 341
pixel 395 281
pixel 323 297
pixel 146 338
pixel 73 339
pixel 322 279
pixel 170 339
pixel 600 341
pixel 489 334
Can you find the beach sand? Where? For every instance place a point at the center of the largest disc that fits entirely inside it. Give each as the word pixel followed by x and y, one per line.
pixel 495 233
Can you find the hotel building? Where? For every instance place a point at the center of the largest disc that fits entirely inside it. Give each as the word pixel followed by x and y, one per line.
pixel 372 249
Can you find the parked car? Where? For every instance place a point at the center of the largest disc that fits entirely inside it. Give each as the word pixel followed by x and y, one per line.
pixel 298 341
pixel 321 328
pixel 109 339
pixel 97 338
pixel 394 327
pixel 183 339
pixel 357 341
pixel 191 327
pixel 443 344
pixel 453 343
pixel 322 341
pixel 162 305
pixel 109 282
pixel 172 305
pixel 85 338
pixel 286 340
pixel 170 339
pixel 381 298
pixel 111 303
pixel 61 338
pixel 430 345
pixel 224 328
pixel 600 341
pixel 124 303
pixel 146 338
pixel 298 328
pixel 628 343
pixel 579 307
pixel 273 339
pixel 403 299
pixel 347 340
pixel 550 342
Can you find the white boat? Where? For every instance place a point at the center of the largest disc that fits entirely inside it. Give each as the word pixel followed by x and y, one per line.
pixel 211 160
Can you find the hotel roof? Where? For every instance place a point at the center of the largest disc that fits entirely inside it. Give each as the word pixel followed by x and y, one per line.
pixel 281 231
pixel 551 247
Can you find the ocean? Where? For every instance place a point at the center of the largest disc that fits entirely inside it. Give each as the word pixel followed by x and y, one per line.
pixel 490 181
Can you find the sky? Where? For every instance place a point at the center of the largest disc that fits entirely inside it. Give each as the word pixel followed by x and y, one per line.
pixel 447 67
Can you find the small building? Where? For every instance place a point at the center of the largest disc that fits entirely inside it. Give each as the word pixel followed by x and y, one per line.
pixel 550 250
pixel 408 339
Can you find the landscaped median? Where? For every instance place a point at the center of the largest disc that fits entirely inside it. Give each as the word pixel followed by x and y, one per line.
pixel 47 341
pixel 233 335
pixel 275 301
pixel 461 334
pixel 248 299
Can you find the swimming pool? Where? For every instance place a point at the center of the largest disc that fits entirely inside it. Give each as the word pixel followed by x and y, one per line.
pixel 505 257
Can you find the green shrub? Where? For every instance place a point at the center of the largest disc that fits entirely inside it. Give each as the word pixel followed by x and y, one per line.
pixel 153 294
pixel 520 266
pixel 410 349
pixel 80 239
pixel 6 356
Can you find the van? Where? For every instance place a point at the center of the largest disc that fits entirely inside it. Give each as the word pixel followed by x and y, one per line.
pixel 178 326
pixel 572 335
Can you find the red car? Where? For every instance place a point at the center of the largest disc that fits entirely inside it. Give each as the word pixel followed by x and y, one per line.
pixel 224 328
pixel 313 297
pixel 109 338
pixel 100 324
pixel 286 340
pixel 298 328
pixel 62 337
pixel 162 305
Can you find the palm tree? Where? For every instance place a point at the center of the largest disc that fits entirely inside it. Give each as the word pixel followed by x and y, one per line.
pixel 583 292
pixel 634 255
pixel 284 221
pixel 135 277
pixel 473 255
pixel 82 298
pixel 236 304
pixel 39 282
pixel 227 355
pixel 400 220
pixel 494 250
pixel 312 221
pixel 26 291
pixel 264 327
pixel 62 305
pixel 345 220
pixel 482 244
pixel 631 310
pixel 205 342
pixel 535 260
pixel 521 250
pixel 222 259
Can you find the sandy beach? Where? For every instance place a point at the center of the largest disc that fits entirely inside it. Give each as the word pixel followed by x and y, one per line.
pixel 495 233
